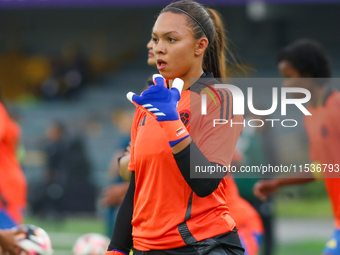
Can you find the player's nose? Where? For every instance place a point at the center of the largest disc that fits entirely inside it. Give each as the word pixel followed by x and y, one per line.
pixel 159 47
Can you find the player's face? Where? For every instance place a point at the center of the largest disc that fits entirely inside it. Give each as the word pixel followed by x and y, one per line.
pixel 287 70
pixel 174 45
pixel 151 55
pixel 53 133
pixel 293 78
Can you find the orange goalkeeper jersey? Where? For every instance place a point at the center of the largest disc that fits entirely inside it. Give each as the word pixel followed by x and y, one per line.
pixel 323 128
pixel 162 196
pixel 12 180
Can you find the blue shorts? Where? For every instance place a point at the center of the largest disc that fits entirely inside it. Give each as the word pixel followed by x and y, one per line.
pixel 251 243
pixel 332 246
pixel 5 220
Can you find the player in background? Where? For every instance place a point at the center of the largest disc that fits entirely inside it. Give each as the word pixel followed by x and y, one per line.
pixel 12 182
pixel 307 59
pixel 124 160
pixel 248 220
pixel 113 195
pixel 13 187
pixel 186 46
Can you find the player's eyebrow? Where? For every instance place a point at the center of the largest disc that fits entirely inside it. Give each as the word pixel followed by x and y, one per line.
pixel 165 34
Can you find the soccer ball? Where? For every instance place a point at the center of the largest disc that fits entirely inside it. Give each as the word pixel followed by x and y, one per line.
pixel 91 244
pixel 33 240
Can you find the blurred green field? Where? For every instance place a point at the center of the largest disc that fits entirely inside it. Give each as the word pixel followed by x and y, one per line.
pixel 312 247
pixel 64 233
pixel 69 225
pixel 309 208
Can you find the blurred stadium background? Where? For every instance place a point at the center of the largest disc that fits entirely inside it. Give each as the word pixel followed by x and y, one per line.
pixel 71 62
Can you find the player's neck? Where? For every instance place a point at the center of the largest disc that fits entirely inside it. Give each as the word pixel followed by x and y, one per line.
pixel 318 95
pixel 190 77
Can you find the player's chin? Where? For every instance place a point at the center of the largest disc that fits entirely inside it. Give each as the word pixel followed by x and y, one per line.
pixel 165 74
pixel 168 74
pixel 152 62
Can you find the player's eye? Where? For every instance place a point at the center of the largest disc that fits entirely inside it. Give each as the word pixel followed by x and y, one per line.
pixel 154 39
pixel 171 39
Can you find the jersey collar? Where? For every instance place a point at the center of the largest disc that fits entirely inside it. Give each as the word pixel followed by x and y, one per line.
pixel 198 85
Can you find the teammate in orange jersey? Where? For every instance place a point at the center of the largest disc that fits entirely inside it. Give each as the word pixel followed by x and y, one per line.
pixel 247 219
pixel 307 59
pixel 12 180
pixel 165 211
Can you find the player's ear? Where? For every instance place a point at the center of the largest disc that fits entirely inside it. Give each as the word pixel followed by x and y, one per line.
pixel 201 45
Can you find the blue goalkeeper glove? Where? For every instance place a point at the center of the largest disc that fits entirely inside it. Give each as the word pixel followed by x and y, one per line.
pixel 161 103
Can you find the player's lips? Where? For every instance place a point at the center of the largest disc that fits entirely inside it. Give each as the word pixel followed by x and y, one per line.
pixel 161 64
pixel 150 54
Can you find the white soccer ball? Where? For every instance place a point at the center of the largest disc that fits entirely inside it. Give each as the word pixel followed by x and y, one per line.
pixel 33 240
pixel 91 244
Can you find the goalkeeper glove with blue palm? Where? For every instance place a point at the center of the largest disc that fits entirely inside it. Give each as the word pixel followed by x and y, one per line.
pixel 161 103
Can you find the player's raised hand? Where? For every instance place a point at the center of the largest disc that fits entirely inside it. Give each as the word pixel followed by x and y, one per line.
pixel 264 188
pixel 161 103
pixel 158 100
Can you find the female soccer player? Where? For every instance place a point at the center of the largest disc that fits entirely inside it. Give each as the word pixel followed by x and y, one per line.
pixel 165 211
pixel 248 221
pixel 307 59
pixel 12 180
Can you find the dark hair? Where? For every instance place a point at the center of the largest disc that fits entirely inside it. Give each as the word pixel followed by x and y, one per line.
pixel 308 57
pixel 205 23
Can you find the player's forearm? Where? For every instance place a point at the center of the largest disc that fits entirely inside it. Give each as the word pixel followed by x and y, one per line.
pixel 123 163
pixel 191 156
pixel 122 234
pixel 298 178
pixel 181 145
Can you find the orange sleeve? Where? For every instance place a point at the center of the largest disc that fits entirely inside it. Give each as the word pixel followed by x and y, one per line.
pixel 312 149
pixel 139 116
pixel 313 154
pixel 218 143
pixel 237 155
pixel 134 126
pixel 3 121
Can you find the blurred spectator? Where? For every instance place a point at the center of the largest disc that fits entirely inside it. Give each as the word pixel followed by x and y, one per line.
pixel 80 191
pixel 67 187
pixel 69 75
pixel 56 150
pixel 114 195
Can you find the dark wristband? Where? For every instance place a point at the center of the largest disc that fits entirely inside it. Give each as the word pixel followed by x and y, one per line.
pixel 190 157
